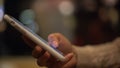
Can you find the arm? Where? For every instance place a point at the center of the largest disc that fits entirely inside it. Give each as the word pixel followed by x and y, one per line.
pixel 101 56
pixel 105 55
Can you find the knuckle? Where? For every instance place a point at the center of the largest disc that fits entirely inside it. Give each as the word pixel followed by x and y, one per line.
pixel 38 49
pixel 36 52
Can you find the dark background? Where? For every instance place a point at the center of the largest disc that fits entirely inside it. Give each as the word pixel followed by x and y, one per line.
pixel 13 42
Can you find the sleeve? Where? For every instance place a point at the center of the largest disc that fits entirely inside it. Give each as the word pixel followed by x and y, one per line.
pixel 105 55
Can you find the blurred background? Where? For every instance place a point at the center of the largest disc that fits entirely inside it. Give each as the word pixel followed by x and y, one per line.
pixel 81 21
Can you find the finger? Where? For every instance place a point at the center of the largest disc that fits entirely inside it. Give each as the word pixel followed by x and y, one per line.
pixel 53 40
pixel 55 37
pixel 68 57
pixel 42 61
pixel 28 41
pixel 71 63
pixel 62 43
pixel 54 44
pixel 37 52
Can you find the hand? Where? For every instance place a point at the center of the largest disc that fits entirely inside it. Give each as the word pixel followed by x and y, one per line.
pixel 44 58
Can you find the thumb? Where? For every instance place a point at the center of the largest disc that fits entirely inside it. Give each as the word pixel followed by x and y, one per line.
pixel 70 61
pixel 68 57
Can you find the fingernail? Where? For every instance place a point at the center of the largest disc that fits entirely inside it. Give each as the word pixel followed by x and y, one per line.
pixel 54 44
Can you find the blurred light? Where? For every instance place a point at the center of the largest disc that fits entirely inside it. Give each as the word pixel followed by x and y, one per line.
pixel 7 65
pixel 2 24
pixel 66 7
pixel 27 18
pixel 111 2
pixel 1 13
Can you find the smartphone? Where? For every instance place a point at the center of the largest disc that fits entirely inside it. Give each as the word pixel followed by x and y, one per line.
pixel 34 37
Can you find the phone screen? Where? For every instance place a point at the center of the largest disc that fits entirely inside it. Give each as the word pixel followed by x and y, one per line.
pixel 1 10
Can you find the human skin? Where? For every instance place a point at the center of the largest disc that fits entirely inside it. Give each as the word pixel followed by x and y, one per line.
pixel 44 58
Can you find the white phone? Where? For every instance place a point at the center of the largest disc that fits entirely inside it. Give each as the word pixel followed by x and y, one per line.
pixel 34 37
